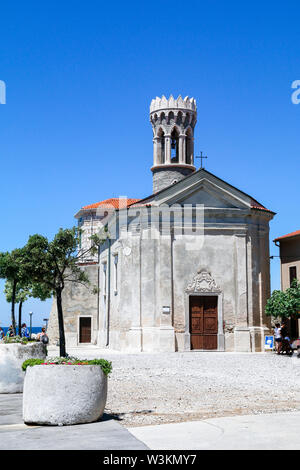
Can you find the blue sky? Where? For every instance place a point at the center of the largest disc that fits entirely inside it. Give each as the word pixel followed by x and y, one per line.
pixel 80 77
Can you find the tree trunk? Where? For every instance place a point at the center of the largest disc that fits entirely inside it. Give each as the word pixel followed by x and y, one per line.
pixel 13 301
pixel 20 317
pixel 62 341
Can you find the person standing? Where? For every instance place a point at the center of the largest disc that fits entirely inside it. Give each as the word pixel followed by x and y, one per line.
pixel 277 335
pixel 1 334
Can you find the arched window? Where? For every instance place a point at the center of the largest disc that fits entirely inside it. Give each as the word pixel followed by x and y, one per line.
pixel 189 147
pixel 174 146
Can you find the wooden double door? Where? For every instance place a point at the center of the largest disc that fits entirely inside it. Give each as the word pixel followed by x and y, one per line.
pixel 204 322
pixel 85 329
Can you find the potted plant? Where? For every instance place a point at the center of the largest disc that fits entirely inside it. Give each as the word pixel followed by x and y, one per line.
pixel 13 352
pixel 64 391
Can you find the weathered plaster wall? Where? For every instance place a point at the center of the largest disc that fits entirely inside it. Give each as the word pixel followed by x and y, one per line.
pixel 78 300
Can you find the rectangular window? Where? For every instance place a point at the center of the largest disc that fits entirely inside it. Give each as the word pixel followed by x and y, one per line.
pixel 293 274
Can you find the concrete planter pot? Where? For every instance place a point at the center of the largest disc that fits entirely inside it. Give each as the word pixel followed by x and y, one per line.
pixel 12 357
pixel 64 394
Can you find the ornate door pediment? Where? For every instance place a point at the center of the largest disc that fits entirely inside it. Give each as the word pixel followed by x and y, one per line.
pixel 203 282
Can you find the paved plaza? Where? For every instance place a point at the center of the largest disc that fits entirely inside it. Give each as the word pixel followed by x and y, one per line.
pixel 148 389
pixel 248 432
pixel 15 435
pixel 266 431
pixel 177 401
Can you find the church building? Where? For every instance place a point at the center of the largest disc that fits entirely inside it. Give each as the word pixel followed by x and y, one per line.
pixel 186 268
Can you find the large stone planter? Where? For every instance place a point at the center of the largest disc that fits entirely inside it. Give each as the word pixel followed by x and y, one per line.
pixel 12 357
pixel 64 394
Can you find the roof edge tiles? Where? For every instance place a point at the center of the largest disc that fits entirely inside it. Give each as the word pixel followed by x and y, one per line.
pixel 113 202
pixel 288 235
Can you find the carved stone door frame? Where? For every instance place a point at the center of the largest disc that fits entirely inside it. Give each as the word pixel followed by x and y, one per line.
pixel 203 284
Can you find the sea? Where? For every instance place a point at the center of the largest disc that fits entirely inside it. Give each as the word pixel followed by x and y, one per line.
pixel 35 329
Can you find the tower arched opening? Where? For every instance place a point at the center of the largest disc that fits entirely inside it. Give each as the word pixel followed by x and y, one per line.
pixel 187 120
pixel 171 117
pixel 162 118
pixel 161 147
pixel 179 118
pixel 189 147
pixel 174 146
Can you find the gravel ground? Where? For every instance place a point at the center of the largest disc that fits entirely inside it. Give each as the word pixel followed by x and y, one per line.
pixel 158 388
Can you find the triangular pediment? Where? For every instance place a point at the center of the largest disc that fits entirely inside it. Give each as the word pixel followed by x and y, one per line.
pixel 208 196
pixel 203 188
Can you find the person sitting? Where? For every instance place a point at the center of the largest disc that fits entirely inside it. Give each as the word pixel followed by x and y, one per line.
pixel 284 345
pixel 10 332
pixel 284 332
pixel 24 331
pixel 43 337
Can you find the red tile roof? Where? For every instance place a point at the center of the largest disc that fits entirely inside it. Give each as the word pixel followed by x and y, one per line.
pixel 254 204
pixel 257 205
pixel 112 202
pixel 117 202
pixel 289 235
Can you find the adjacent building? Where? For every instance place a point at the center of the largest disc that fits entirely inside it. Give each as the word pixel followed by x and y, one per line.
pixel 289 252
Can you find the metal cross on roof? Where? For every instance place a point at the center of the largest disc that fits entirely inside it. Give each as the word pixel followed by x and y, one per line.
pixel 201 157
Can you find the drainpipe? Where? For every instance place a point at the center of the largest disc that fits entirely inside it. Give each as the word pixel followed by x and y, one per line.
pixel 108 293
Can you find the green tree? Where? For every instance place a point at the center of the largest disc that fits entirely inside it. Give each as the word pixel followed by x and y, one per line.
pixel 284 304
pixel 50 264
pixel 11 269
pixel 294 294
pixel 24 290
pixel 21 295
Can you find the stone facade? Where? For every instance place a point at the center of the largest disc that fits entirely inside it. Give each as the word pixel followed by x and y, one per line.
pixel 197 237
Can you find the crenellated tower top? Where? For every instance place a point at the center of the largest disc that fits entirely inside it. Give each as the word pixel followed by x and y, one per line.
pixel 179 103
pixel 173 122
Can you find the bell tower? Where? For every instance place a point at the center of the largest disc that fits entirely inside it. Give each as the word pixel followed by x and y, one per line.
pixel 173 122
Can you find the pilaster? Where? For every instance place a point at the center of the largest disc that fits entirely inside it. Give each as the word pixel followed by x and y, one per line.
pixel 182 157
pixel 168 149
pixel 167 335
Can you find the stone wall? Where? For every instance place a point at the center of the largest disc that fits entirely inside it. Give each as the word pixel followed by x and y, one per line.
pixel 164 177
pixel 78 300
